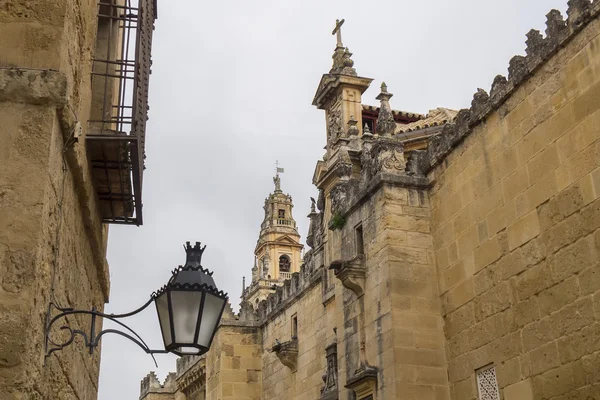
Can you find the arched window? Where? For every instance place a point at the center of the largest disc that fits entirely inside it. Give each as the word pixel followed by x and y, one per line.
pixel 284 264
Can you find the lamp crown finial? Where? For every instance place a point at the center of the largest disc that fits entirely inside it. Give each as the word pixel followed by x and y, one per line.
pixel 193 253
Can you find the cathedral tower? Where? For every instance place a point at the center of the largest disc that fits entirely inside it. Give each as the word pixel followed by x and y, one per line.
pixel 278 250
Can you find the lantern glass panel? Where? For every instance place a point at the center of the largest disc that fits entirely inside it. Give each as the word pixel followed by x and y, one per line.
pixel 187 350
pixel 162 307
pixel 213 306
pixel 186 305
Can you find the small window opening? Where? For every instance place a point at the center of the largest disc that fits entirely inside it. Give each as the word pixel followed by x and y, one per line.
pixel 487 385
pixel 284 264
pixel 360 246
pixel 294 326
pixel 281 214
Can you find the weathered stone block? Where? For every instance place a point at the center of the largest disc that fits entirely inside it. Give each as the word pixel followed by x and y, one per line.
pixel 572 317
pixel 573 258
pixel 496 299
pixel 544 358
pixel 458 296
pixel 579 344
pixel 533 280
pixel 523 230
pixel 556 381
pixel 558 296
pixel 519 391
pixel 487 253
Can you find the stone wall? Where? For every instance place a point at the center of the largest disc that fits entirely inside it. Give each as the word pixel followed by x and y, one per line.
pixel 302 378
pixel 515 215
pixel 52 243
pixel 233 364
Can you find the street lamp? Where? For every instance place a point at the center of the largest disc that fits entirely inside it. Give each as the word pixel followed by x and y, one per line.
pixel 189 309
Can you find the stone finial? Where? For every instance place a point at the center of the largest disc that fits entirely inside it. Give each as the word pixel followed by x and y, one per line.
pixel 352 128
pixel 343 165
pixel 461 125
pixel 498 86
pixel 480 102
pixel 535 43
pixel 386 126
pixel 342 62
pixel 367 131
pixel 577 12
pixel 517 69
pixel 555 25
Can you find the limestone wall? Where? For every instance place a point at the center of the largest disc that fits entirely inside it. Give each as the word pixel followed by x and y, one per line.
pixel 315 332
pixel 233 364
pixel 50 231
pixel 515 215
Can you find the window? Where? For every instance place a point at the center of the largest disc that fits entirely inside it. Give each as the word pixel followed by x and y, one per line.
pixel 487 385
pixel 281 214
pixel 294 326
pixel 358 232
pixel 284 264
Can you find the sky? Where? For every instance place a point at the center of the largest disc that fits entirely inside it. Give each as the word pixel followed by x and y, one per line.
pixel 230 93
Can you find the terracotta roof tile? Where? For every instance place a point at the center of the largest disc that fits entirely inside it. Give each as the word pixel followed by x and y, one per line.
pixel 439 116
pixel 405 114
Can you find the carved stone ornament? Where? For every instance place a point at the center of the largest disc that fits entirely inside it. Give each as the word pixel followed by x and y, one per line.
pixel 334 124
pixel 339 196
pixel 417 163
pixel 330 390
pixel 312 228
pixel 351 273
pixel 387 155
pixel 352 128
pixel 287 353
pixel 386 126
pixel 343 165
pixel 393 162
pixel 321 201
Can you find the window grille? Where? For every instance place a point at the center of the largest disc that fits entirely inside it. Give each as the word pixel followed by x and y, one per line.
pixel 487 384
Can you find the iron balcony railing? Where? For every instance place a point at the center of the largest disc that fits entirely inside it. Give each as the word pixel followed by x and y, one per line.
pixel 117 126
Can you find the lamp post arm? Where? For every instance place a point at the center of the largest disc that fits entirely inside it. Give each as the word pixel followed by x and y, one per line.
pixel 94 339
pixel 140 343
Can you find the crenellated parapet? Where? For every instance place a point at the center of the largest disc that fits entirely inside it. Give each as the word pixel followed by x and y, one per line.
pixel 150 384
pixel 293 288
pixel 539 49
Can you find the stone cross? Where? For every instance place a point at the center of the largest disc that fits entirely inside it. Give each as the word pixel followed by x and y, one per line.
pixel 338 30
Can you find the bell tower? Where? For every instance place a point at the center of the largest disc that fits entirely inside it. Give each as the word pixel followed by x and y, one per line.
pixel 278 250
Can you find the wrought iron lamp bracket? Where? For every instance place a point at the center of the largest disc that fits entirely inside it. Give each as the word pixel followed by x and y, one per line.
pixel 91 338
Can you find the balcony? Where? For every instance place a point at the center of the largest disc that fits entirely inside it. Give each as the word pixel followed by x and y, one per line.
pixel 285 275
pixel 117 125
pixel 286 222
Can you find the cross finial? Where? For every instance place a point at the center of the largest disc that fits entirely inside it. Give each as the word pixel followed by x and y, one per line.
pixel 278 169
pixel 338 30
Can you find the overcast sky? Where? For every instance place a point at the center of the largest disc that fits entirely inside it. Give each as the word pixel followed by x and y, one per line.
pixel 231 92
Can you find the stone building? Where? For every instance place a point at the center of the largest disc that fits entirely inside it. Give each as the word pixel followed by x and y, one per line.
pixel 451 256
pixel 73 107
